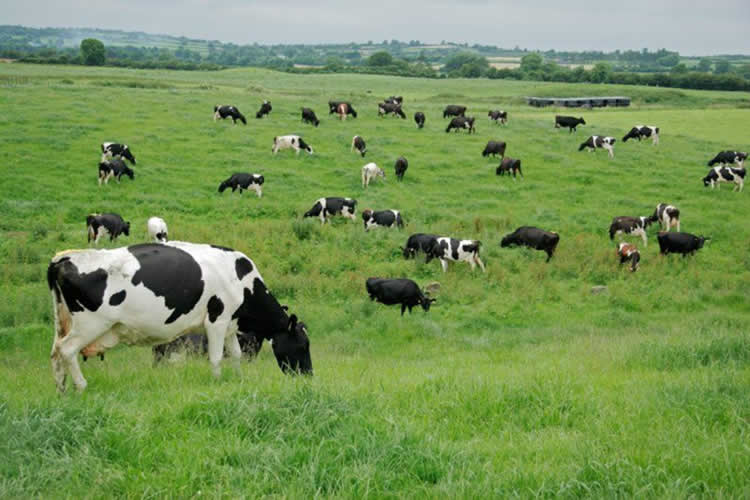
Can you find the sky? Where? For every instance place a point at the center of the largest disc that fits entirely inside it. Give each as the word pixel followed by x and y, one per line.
pixel 691 27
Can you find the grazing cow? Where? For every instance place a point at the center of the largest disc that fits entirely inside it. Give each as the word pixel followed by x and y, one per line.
pixel 359 144
pixel 684 243
pixel 114 168
pixel 447 249
pixel 509 165
pixel 717 175
pixel 627 252
pixel 395 99
pixel 498 116
pixel 569 121
pixel 370 172
pixel 668 216
pixel 157 229
pixel 329 207
pixel 397 291
pixel 419 118
pixel 99 224
pixel 265 109
pixel 333 106
pixel 229 112
pixel 453 110
pixel 345 109
pixel 729 157
pixel 494 148
pixel 385 108
pixel 382 218
pixel 244 181
pixel 461 122
pixel 401 165
pixel 112 149
pixel 308 116
pixel 154 292
pixel 597 141
pixel 290 142
pixel 418 242
pixel 533 237
pixel 631 225
pixel 641 131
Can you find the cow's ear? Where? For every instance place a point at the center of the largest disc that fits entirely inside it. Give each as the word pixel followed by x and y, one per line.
pixel 292 323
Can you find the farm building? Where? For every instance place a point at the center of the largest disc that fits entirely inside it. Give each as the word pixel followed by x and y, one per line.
pixel 578 102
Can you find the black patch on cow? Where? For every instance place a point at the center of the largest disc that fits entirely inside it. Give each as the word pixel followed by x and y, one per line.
pixel 260 312
pixel 726 174
pixel 215 308
pixel 454 248
pixel 117 298
pixel 81 291
pixel 170 273
pixel 226 249
pixel 243 266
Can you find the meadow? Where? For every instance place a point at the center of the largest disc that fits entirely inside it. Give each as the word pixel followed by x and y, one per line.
pixel 518 381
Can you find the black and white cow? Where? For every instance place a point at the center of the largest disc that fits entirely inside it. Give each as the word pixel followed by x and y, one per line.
pixel 395 99
pixel 308 116
pixel 729 157
pixel 451 249
pixel 462 122
pixel 113 149
pixel 627 252
pixel 114 168
pixel 569 121
pixel 668 216
pixel 99 224
pixel 229 112
pixel 397 291
pixel 151 293
pixel 329 207
pixel 265 109
pixel 453 110
pixel 385 108
pixel 244 181
pixel 509 165
pixel 382 218
pixel 717 175
pixel 400 167
pixel 359 144
pixel 294 142
pixel 533 237
pixel 157 229
pixel 641 131
pixel 370 172
pixel 598 141
pixel 494 148
pixel 635 226
pixel 498 116
pixel 345 109
pixel 419 242
pixel 683 243
pixel 419 119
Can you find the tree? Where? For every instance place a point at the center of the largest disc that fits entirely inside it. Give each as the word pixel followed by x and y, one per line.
pixel 704 65
pixel 92 52
pixel 381 58
pixel 600 72
pixel 721 67
pixel 471 61
pixel 669 60
pixel 680 68
pixel 531 62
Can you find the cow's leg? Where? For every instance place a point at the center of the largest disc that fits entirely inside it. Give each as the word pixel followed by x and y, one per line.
pixel 741 184
pixel 232 346
pixel 66 349
pixel 323 216
pixel 678 225
pixel 644 238
pixel 215 332
pixel 403 308
pixel 472 263
pixel 58 368
pixel 479 261
pixel 444 263
pixel 258 190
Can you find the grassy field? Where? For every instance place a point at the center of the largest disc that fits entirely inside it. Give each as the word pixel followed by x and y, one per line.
pixel 518 382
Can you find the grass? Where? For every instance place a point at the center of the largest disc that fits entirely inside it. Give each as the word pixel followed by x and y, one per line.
pixel 518 382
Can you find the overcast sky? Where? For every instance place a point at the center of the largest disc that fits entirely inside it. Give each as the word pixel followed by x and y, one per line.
pixel 690 26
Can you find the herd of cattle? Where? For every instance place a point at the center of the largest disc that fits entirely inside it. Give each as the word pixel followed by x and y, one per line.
pixel 162 293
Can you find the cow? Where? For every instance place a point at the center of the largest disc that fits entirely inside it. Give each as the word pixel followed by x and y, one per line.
pixel 382 218
pixel 668 216
pixel 359 144
pixel 114 168
pixel 395 99
pixel 419 119
pixel 498 116
pixel 308 116
pixel 627 252
pixel 533 237
pixel 418 242
pixel 569 121
pixel 290 142
pixel 370 172
pixel 631 225
pixel 400 167
pixel 597 141
pixel 333 106
pixel 385 108
pixel 494 148
pixel 329 207
pixel 232 112
pixel 453 110
pixel 509 165
pixel 451 249
pixel 683 243
pixel 99 224
pixel 113 149
pixel 157 229
pixel 397 291
pixel 729 157
pixel 345 109
pixel 641 131
pixel 717 175
pixel 152 293
pixel 244 181
pixel 265 109
pixel 461 122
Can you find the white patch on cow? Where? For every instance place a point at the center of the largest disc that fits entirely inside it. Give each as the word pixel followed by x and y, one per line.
pixel 156 226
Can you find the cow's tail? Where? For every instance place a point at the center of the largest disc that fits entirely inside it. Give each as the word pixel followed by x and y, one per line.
pixel 612 231
pixel 62 316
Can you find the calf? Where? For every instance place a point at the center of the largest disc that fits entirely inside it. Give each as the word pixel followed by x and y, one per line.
pixel 359 144
pixel 385 108
pixel 290 142
pixel 461 122
pixel 370 172
pixel 631 225
pixel 597 141
pixel 157 229
pixel 717 175
pixel 112 149
pixel 728 157
pixel 265 109
pixel 418 242
pixel 668 216
pixel 569 121
pixel 397 291
pixel 641 131
pixel 232 112
pixel 498 116
pixel 419 118
pixel 627 252
pixel 400 167
pixel 450 249
pixel 114 168
pixel 383 218
pixel 684 243
pixel 533 237
pixel 345 109
pixel 453 110
pixel 308 116
pixel 244 181
pixel 329 207
pixel 113 224
pixel 494 148
pixel 509 165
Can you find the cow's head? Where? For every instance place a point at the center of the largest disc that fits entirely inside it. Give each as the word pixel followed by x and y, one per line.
pixel 707 179
pixel 408 252
pixel 353 113
pixel 126 229
pixel 216 108
pixel 634 133
pixel 129 172
pixel 292 348
pixel 366 214
pixel 702 240
pixel 223 186
pixel 507 240
pixel 426 302
pixel 582 121
pixel 127 154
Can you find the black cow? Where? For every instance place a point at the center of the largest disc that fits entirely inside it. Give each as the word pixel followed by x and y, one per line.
pixel 461 122
pixel 418 242
pixel 359 144
pixel 641 131
pixel 500 117
pixel 494 148
pixel 728 157
pixel 419 118
pixel 385 108
pixel 328 207
pixel 382 218
pixel 114 168
pixel 308 116
pixel 684 243
pixel 98 224
pixel 401 165
pixel 569 121
pixel 453 110
pixel 533 237
pixel 631 225
pixel 397 291
pixel 112 149
pixel 244 181
pixel 717 175
pixel 229 112
pixel 509 165
pixel 265 109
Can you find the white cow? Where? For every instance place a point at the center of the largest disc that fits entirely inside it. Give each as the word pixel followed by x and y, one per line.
pixel 290 142
pixel 370 172
pixel 157 229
